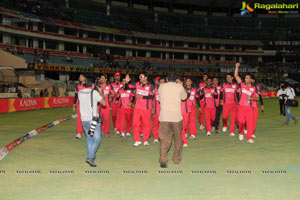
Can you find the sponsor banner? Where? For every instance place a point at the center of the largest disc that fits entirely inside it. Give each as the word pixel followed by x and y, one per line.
pixel 21 104
pixel 123 71
pixel 4 105
pixel 60 101
pixel 268 94
pixel 12 145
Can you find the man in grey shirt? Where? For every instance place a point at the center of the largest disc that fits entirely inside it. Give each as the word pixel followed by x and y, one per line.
pixel 170 96
pixel 89 99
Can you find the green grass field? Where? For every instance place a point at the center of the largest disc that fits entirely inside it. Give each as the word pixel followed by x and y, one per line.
pixel 276 148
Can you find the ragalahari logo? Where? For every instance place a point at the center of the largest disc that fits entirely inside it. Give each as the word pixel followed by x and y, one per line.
pixel 246 9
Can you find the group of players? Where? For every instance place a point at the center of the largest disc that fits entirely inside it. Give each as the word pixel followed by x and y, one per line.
pixel 136 103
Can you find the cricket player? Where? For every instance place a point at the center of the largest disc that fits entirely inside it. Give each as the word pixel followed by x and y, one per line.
pixel 209 94
pixel 125 99
pixel 247 96
pixel 108 93
pixel 229 101
pixel 188 111
pixel 142 110
pixel 115 107
pixel 202 84
pixel 219 107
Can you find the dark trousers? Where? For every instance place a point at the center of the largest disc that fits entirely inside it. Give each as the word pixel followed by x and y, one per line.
pixel 218 115
pixel 166 131
pixel 282 107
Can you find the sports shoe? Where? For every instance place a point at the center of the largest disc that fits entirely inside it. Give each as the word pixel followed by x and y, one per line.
pixel 254 136
pixel 224 129
pixel 217 131
pixel 136 144
pixel 185 145
pixel 91 163
pixel 123 135
pixel 231 134
pixel 296 121
pixel 127 134
pixel 201 127
pixel 146 143
pixel 193 137
pixel 117 132
pixel 241 137
pixel 78 136
pixel 208 134
pixel 250 141
pixel 245 131
pixel 155 141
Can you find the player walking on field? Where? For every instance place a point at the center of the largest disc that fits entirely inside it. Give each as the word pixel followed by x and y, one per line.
pixel 247 96
pixel 202 84
pixel 144 94
pixel 209 94
pixel 229 102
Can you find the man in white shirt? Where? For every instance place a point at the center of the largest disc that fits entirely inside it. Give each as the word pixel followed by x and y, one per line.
pixel 281 95
pixel 89 98
pixel 290 95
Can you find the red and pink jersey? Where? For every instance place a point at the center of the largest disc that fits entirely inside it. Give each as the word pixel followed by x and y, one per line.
pixel 78 87
pixel 229 93
pixel 145 90
pixel 201 86
pixel 189 104
pixel 257 90
pixel 125 97
pixel 245 93
pixel 116 87
pixel 108 90
pixel 209 97
pixel 218 90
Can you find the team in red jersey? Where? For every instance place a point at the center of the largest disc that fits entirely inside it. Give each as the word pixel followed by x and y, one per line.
pixel 133 106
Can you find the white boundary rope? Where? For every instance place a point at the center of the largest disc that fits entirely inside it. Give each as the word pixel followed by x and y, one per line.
pixel 12 145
